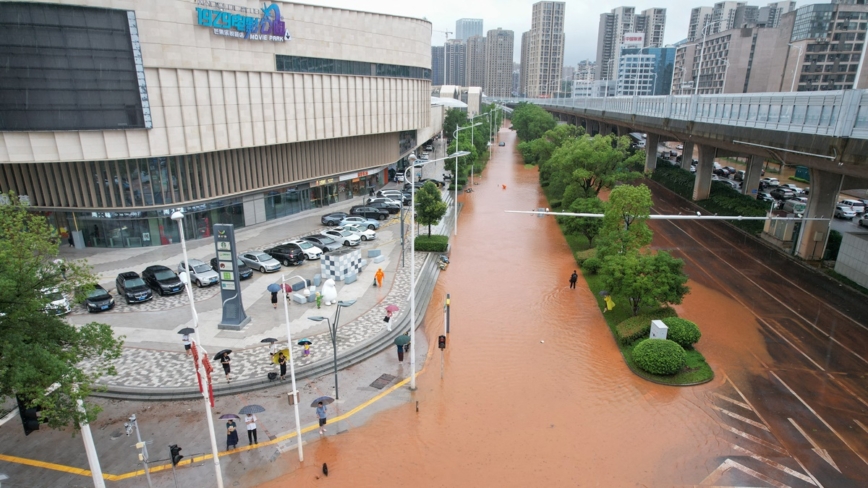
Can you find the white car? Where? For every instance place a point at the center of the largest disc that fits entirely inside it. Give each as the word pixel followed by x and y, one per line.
pixel 369 223
pixel 844 212
pixel 399 177
pixel 679 147
pixel 310 251
pixel 345 237
pixel 58 304
pixel 260 261
pixel 863 221
pixel 771 181
pixel 364 233
pixel 199 273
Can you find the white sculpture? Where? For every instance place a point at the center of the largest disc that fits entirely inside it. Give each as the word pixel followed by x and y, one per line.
pixel 329 292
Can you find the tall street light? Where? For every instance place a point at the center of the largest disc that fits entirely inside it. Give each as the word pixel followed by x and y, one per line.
pixel 796 68
pixel 179 218
pixel 333 332
pixel 292 364
pixel 455 175
pixel 412 158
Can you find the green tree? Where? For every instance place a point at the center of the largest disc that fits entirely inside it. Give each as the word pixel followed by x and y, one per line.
pixel 625 224
pixel 586 226
pixel 648 280
pixel 430 208
pixel 540 150
pixel 454 119
pixel 40 349
pixel 531 122
pixel 464 162
pixel 591 164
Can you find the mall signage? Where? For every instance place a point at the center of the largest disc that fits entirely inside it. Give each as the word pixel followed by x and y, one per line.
pixel 264 24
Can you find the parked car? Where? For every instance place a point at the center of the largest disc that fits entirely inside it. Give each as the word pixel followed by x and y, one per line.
pixel 348 238
pixel 363 232
pixel 325 243
pixel 96 299
pixel 679 147
pixel 856 205
pixel 242 269
pixel 333 218
pixel 260 261
pixel 764 196
pixel 863 221
pixel 770 181
pixel 418 185
pixel 200 273
pixel 287 254
pixel 794 206
pixel 734 185
pixel 389 204
pixel 395 195
pixel 368 223
pixel 438 183
pixel 162 280
pixel 310 251
pixel 429 147
pixel 501 144
pixel 369 212
pixel 729 170
pixel 739 175
pixel 399 177
pixel 782 193
pixel 844 212
pixel 132 287
pixel 57 303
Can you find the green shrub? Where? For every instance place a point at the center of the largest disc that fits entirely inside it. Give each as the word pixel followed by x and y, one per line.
pixel 639 327
pixel 682 331
pixel 834 245
pixel 582 256
pixel 592 265
pixel 432 243
pixel 659 356
pixel 555 204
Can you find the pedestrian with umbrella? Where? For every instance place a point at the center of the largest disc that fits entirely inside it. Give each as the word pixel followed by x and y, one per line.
pixel 390 310
pixel 402 341
pixel 322 411
pixel 273 289
pixel 250 419
pixel 231 430
pixel 223 357
pixel 185 339
pixel 272 346
pixel 306 343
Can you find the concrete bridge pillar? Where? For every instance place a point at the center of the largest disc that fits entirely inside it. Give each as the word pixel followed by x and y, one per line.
pixel 686 155
pixel 605 129
pixel 593 127
pixel 752 175
pixel 814 234
pixel 702 184
pixel 623 131
pixel 651 142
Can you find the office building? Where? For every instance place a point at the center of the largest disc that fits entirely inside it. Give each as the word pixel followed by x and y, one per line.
pixel 467 28
pixel 586 70
pixel 455 69
pixel 437 62
pixel 644 71
pixel 236 126
pixel 475 62
pixel 543 57
pixel 499 46
pixel 620 21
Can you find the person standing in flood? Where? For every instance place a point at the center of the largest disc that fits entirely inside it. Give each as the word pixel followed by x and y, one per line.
pixel 573 278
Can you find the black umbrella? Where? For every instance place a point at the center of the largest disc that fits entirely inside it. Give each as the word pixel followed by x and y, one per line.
pixel 324 399
pixel 269 339
pixel 251 409
pixel 221 353
pixel 227 416
pixel 186 330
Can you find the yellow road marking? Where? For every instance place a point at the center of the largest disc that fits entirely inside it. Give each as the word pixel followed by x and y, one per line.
pixel 204 457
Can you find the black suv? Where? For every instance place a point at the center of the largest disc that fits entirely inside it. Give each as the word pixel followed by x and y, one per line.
pixel 163 280
pixel 132 287
pixel 287 254
pixel 781 193
pixel 369 212
pixel 383 205
pixel 244 271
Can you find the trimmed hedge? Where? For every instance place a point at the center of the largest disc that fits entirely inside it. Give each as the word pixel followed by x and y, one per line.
pixel 682 331
pixel 639 327
pixel 433 243
pixel 592 265
pixel 659 356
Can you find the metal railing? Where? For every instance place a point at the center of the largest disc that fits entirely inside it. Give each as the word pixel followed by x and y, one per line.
pixel 832 113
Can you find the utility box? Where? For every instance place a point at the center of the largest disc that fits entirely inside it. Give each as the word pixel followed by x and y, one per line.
pixel 291 398
pixel 658 329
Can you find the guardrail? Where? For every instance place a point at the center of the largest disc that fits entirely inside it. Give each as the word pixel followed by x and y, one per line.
pixel 833 113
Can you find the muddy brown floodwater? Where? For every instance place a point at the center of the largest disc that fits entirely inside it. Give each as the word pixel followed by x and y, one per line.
pixel 514 410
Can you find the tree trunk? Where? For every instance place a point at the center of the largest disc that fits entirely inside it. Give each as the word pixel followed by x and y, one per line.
pixel 429 230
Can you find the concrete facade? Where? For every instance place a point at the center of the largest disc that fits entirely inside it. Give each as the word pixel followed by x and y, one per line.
pixel 498 62
pixel 475 64
pixel 455 67
pixel 545 50
pixel 467 28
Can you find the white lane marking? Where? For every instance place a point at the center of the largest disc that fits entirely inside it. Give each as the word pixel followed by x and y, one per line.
pixel 755 439
pixel 860 424
pixel 9 416
pixel 730 464
pixel 847 389
pixel 774 464
pixel 818 416
pixel 743 419
pixel 817 449
pixel 734 402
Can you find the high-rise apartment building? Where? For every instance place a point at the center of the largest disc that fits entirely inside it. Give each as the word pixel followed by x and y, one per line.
pixel 624 20
pixel 699 17
pixel 467 28
pixel 437 61
pixel 456 58
pixel 499 45
pixel 475 62
pixel 524 55
pixel 544 56
pixel 585 71
pixel 724 16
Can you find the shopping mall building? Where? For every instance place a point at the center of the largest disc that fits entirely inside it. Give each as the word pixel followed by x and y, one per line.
pixel 115 113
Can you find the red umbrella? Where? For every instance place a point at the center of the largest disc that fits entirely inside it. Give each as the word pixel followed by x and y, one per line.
pixel 287 287
pixel 391 308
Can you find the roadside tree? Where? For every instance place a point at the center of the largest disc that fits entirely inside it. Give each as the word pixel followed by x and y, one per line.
pixel 648 280
pixel 430 208
pixel 454 119
pixel 531 122
pixel 625 222
pixel 40 349
pixel 590 164
pixel 541 149
pixel 587 226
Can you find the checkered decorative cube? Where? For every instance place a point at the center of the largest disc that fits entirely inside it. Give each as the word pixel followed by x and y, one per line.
pixel 340 264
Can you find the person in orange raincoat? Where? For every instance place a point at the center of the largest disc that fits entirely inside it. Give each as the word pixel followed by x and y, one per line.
pixel 379 277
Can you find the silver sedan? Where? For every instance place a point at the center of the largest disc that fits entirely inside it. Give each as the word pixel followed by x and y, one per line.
pixel 261 261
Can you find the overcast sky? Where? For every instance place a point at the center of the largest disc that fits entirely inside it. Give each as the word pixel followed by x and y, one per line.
pixel 581 23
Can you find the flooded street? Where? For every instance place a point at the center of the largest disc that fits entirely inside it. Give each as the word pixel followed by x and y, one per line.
pixel 513 410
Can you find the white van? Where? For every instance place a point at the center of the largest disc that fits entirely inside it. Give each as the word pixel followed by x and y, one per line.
pixel 856 205
pixel 794 206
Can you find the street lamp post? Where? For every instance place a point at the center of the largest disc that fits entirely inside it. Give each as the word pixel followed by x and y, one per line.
pixel 133 423
pixel 456 155
pixel 455 175
pixel 333 332
pixel 796 68
pixel 292 365
pixel 179 218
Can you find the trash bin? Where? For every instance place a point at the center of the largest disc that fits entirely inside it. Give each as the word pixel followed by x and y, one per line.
pixel 291 398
